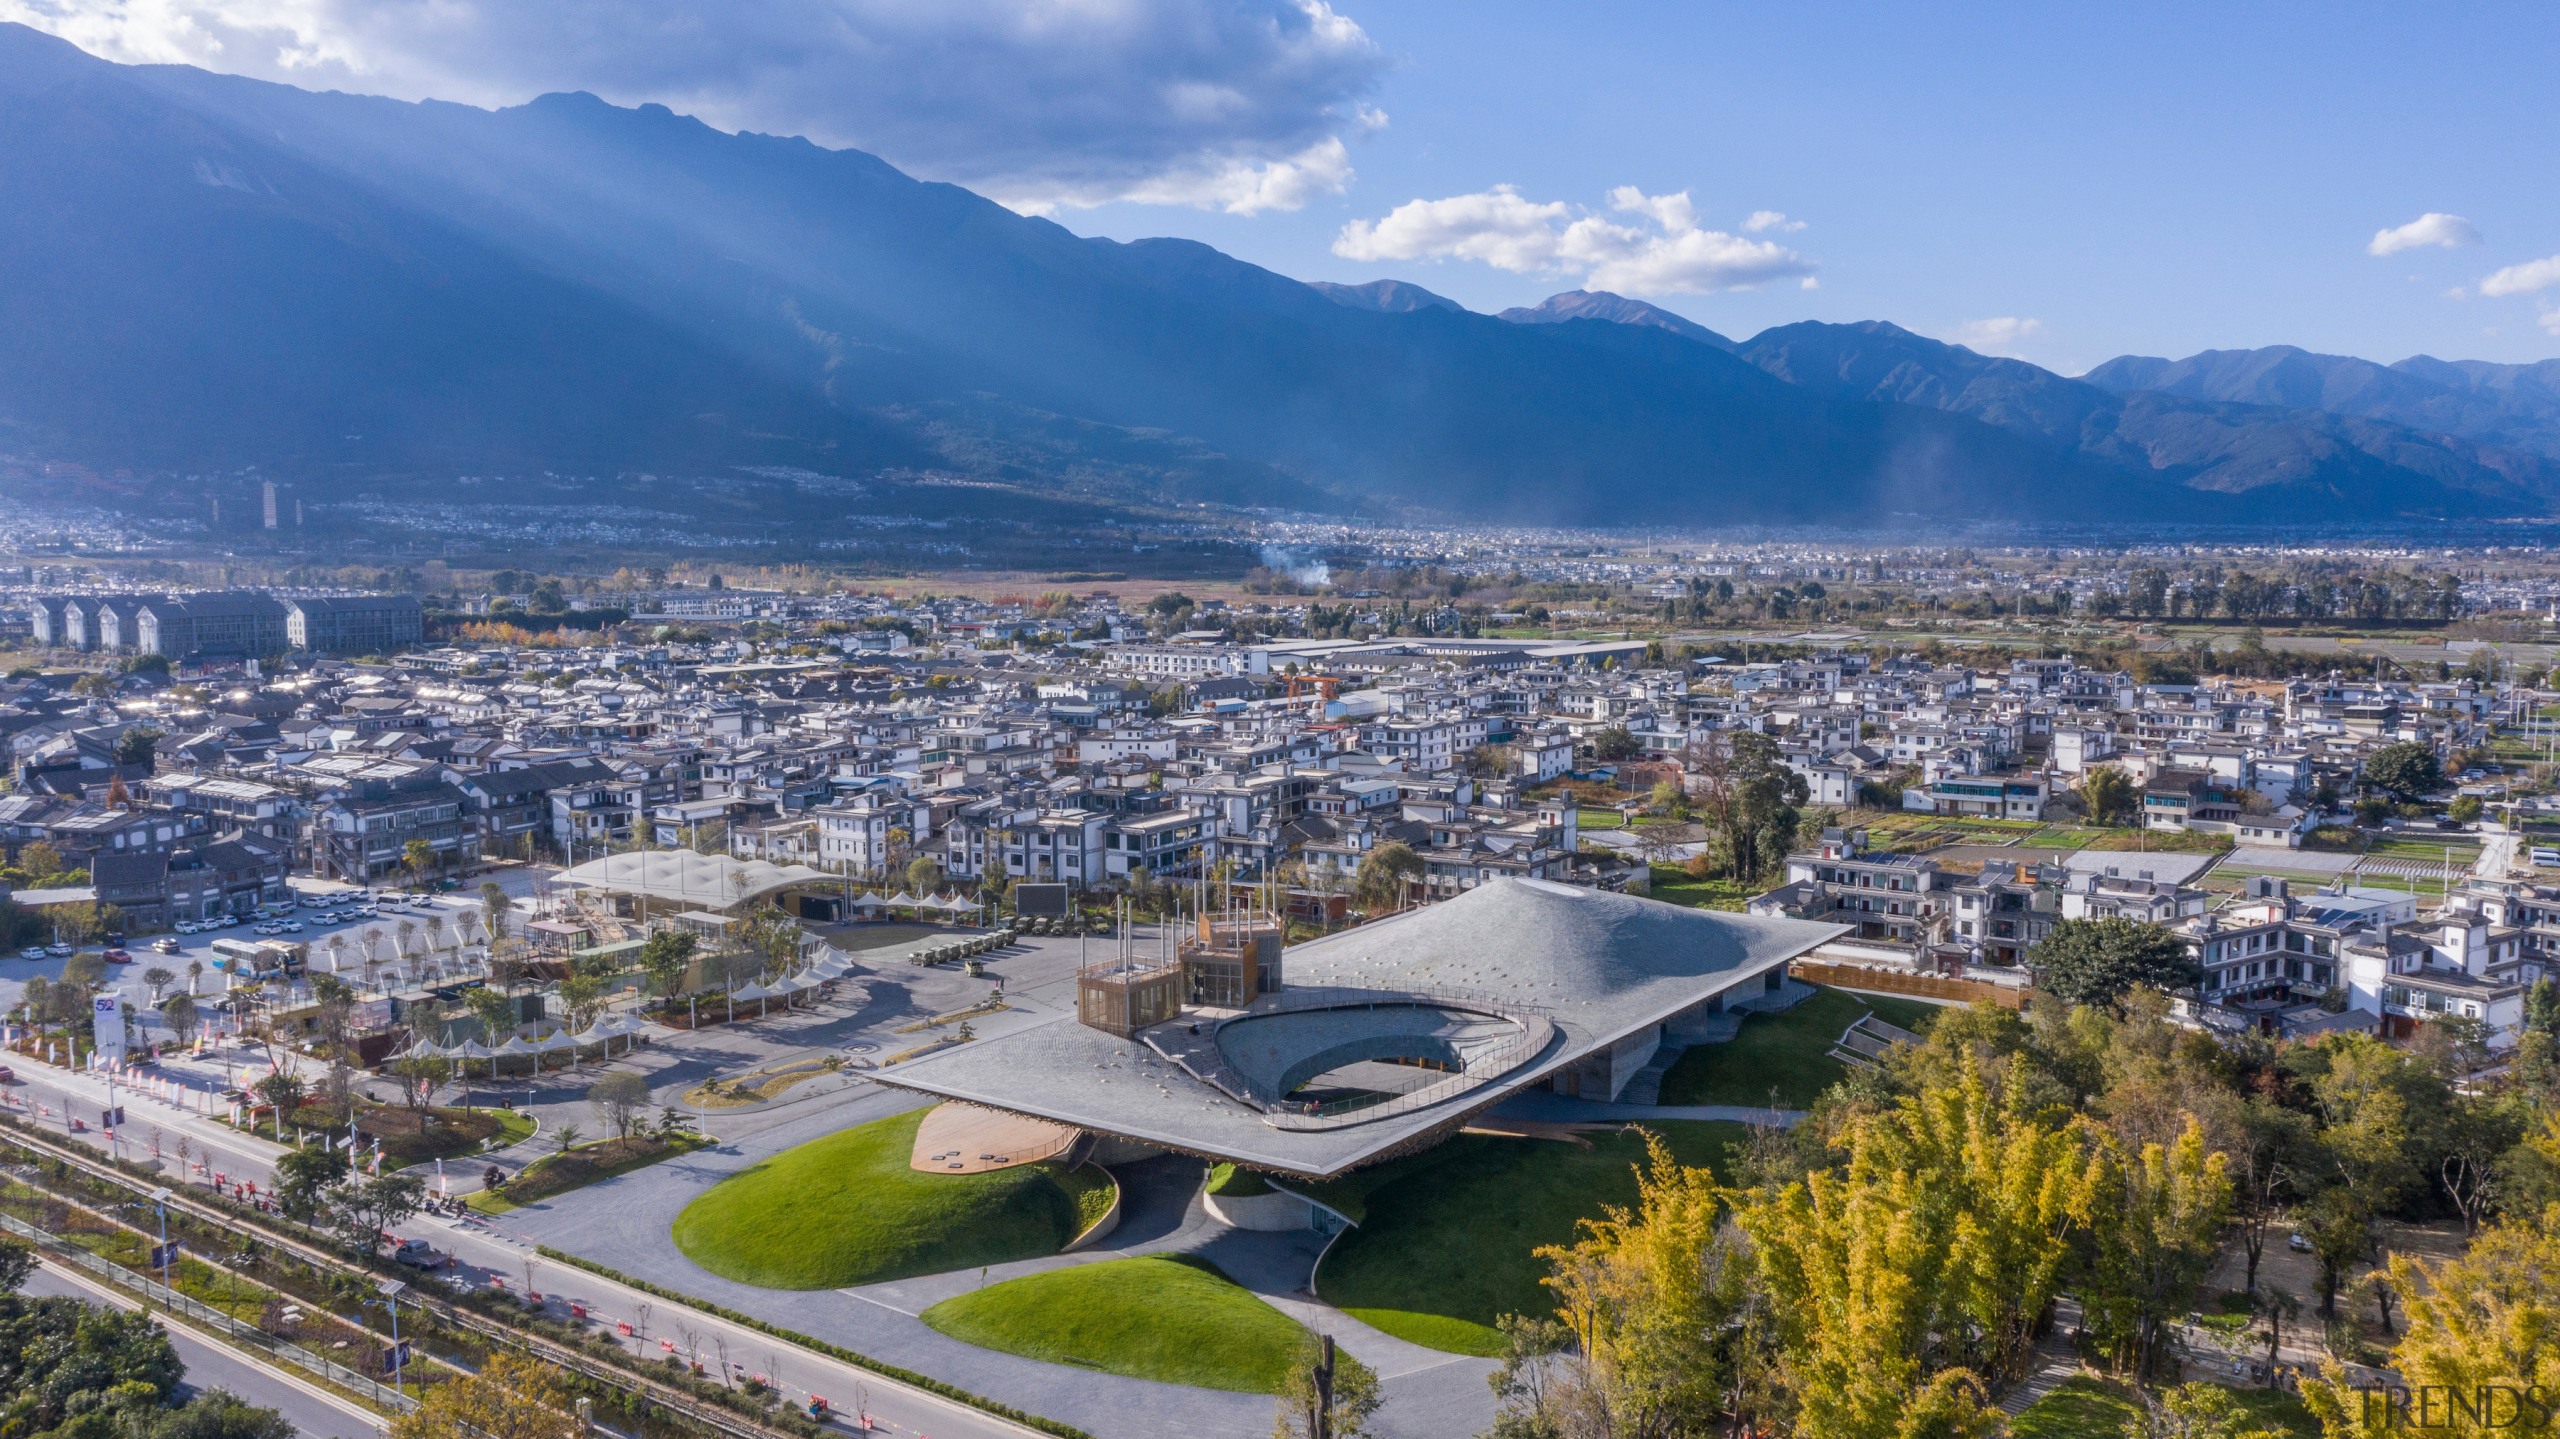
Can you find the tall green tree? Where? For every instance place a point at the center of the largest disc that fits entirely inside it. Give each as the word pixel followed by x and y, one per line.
pixel 2097 961
pixel 666 957
pixel 304 1177
pixel 1614 744
pixel 1748 799
pixel 2108 795
pixel 1338 1405
pixel 2404 771
pixel 1384 873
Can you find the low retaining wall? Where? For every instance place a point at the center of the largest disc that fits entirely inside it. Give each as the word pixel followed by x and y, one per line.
pixel 1276 1212
pixel 1102 1227
pixel 1905 981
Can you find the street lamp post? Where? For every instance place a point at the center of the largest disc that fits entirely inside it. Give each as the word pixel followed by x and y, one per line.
pixel 160 1205
pixel 390 1290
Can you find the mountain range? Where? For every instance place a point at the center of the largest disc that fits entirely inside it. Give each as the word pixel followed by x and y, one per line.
pixel 208 273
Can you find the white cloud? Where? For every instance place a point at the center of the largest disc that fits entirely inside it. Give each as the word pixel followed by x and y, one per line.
pixel 2443 231
pixel 2523 279
pixel 2551 321
pixel 1667 252
pixel 1240 105
pixel 1236 185
pixel 2000 335
pixel 1763 220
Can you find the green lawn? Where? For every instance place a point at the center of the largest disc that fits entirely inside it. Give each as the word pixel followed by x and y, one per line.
pixel 1165 1317
pixel 1445 1238
pixel 846 1209
pixel 1672 885
pixel 2080 1408
pixel 1786 1053
pixel 2084 1408
pixel 2466 849
pixel 1228 1180
pixel 1600 819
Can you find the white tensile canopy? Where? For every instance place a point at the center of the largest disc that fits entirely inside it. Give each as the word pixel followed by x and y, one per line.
pixel 701 881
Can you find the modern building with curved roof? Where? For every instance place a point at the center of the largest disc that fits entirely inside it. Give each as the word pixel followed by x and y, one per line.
pixel 1386 1038
pixel 688 880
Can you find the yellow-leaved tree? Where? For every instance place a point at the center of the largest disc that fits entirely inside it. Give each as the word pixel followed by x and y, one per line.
pixel 2481 1342
pixel 510 1398
pixel 1648 1295
pixel 2157 1235
pixel 1901 1280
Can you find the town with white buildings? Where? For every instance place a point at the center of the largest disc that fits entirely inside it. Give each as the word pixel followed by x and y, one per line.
pixel 1945 811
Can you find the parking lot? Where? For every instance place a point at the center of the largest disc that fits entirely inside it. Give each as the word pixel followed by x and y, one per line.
pixel 324 911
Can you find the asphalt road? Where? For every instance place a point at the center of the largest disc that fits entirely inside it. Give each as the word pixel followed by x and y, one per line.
pixel 484 1254
pixel 623 1223
pixel 313 1411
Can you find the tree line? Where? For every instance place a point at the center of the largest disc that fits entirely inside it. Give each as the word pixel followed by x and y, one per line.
pixel 1884 1268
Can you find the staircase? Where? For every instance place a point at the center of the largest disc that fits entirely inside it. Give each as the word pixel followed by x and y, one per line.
pixel 1864 1042
pixel 1645 1086
pixel 2051 1363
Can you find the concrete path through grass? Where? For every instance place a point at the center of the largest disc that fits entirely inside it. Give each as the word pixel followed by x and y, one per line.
pixel 1162 1213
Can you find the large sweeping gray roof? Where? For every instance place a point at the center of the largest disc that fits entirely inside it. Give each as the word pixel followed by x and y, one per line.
pixel 1600 966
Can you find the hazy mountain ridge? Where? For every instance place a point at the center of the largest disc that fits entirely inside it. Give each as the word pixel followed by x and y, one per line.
pixel 1617 309
pixel 2510 406
pixel 1385 297
pixel 2281 454
pixel 212 272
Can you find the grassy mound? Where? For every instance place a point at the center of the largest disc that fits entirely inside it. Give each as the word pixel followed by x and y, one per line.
pixel 846 1209
pixel 1165 1317
pixel 1787 1052
pixel 1446 1238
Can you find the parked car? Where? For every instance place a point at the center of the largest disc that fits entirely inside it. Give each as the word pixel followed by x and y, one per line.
pixel 2299 1244
pixel 59 951
pixel 33 951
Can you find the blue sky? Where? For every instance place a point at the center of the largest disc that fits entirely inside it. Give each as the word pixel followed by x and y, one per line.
pixel 2151 179
pixel 2065 182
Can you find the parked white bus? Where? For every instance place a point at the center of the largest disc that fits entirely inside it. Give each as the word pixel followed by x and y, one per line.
pixel 255 958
